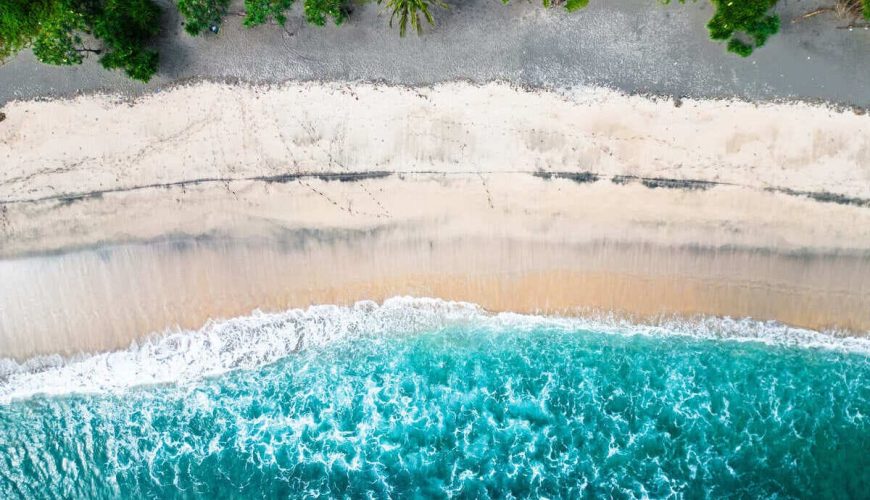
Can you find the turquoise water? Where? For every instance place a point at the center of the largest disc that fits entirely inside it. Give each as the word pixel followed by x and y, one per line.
pixel 470 410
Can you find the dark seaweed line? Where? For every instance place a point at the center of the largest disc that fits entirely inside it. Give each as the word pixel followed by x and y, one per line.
pixel 694 184
pixel 824 197
pixel 269 179
pixel 582 177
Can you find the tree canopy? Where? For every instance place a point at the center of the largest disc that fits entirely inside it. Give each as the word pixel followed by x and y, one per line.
pixel 57 30
pixel 201 15
pixel 744 24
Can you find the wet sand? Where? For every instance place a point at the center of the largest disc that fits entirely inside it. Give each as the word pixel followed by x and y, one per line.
pixel 123 219
pixel 103 299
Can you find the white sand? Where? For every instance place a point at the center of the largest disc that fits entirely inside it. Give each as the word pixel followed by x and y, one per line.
pixel 458 214
pixel 211 130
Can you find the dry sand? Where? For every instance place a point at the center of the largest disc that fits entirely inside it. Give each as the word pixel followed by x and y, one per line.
pixel 120 218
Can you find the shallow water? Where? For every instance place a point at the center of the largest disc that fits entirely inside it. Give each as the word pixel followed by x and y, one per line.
pixel 435 399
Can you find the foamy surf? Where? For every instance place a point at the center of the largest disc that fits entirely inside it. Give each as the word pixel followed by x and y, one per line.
pixel 420 397
pixel 250 342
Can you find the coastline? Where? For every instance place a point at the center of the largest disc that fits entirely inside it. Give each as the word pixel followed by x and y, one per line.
pixel 524 252
pixel 210 201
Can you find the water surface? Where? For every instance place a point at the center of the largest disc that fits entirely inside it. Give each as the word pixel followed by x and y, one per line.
pixel 476 406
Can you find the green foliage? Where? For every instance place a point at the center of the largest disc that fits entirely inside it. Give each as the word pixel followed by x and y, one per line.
pixel 58 41
pixel 20 23
pixel 743 18
pixel 200 15
pixel 125 27
pixel 317 11
pixel 739 47
pixel 54 29
pixel 409 11
pixel 261 11
pixel 570 5
pixel 866 8
pixel 744 24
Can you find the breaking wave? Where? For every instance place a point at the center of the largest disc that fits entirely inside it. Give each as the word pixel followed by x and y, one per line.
pixel 423 398
pixel 253 341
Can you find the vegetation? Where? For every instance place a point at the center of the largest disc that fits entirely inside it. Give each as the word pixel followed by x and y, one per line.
pixel 64 32
pixel 57 29
pixel 570 5
pixel 261 11
pixel 201 15
pixel 744 24
pixel 409 11
pixel 316 11
pixel 851 10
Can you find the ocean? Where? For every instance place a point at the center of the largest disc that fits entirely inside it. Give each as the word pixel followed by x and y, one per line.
pixel 423 398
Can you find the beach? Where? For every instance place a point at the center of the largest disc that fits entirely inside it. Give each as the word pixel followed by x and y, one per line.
pixel 525 253
pixel 207 201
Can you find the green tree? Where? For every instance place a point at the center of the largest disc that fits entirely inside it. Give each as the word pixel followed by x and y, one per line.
pixel 55 28
pixel 58 40
pixel 744 24
pixel 125 27
pixel 200 15
pixel 20 23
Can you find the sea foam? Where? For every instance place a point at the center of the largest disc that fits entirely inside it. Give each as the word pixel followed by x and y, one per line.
pixel 250 342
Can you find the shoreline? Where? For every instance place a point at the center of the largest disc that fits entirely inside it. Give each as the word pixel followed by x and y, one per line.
pixel 115 295
pixel 210 201
pixel 260 338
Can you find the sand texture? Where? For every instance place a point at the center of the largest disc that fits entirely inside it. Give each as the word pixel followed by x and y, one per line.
pixel 122 218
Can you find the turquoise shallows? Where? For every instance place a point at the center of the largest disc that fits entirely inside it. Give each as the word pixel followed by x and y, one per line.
pixel 466 411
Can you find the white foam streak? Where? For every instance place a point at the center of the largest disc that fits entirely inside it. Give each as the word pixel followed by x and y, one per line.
pixel 259 339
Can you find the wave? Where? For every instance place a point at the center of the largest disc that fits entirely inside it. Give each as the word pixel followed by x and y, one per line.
pixel 260 339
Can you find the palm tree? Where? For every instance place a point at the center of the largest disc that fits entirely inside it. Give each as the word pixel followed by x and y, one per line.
pixel 408 12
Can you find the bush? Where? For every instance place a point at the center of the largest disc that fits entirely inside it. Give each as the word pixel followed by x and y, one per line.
pixel 261 11
pixel 745 24
pixel 200 15
pixel 316 11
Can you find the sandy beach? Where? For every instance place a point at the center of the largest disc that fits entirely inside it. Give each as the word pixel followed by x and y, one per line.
pixel 122 218
pixel 615 250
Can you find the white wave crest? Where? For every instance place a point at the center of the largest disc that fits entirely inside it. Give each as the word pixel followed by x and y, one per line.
pixel 259 339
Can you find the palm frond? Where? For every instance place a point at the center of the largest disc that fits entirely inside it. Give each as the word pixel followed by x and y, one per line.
pixel 409 12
